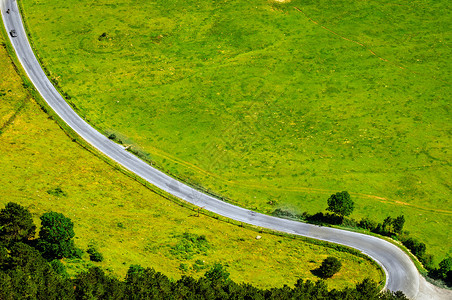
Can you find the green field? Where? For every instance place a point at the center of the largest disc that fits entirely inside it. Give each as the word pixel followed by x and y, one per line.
pixel 131 224
pixel 272 105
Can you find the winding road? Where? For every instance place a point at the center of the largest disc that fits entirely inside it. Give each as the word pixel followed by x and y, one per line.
pixel 400 270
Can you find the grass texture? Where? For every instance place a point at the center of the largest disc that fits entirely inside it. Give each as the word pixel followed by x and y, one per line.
pixel 44 170
pixel 271 105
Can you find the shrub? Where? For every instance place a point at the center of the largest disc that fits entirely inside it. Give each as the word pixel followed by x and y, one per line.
pixel 416 247
pixel 367 224
pixel 57 192
pixel 59 268
pixel 321 218
pixel 189 245
pixel 280 213
pixel 94 255
pixel 445 266
pixel 349 223
pixel 330 266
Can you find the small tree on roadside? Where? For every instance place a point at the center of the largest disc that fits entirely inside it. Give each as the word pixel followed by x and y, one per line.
pixel 398 223
pixel 16 223
pixel 445 266
pixel 341 204
pixel 330 266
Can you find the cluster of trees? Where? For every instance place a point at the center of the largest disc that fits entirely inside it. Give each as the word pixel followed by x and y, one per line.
pixel 390 227
pixel 444 271
pixel 341 205
pixel 55 236
pixel 29 270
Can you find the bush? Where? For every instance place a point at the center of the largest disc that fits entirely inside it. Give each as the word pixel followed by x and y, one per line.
pixel 367 224
pixel 189 245
pixel 330 266
pixel 349 223
pixel 321 218
pixel 416 247
pixel 280 213
pixel 217 273
pixel 57 192
pixel 59 268
pixel 94 255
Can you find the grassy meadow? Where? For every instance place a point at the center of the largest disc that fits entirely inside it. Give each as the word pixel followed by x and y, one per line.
pixel 269 104
pixel 130 224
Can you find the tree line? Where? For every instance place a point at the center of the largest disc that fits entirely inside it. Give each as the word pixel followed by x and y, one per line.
pixel 30 268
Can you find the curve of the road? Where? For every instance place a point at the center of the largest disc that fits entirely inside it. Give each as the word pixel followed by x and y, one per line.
pixel 400 270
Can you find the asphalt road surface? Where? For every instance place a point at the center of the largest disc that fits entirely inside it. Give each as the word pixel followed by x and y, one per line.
pixel 401 272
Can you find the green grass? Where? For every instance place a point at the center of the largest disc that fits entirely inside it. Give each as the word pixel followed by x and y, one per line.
pixel 269 105
pixel 44 170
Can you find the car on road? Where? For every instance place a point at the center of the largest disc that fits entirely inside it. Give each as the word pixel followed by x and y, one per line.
pixel 13 33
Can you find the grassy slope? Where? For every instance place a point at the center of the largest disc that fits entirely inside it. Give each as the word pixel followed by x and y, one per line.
pixel 267 105
pixel 129 223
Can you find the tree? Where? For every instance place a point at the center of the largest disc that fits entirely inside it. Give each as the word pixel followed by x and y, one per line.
pixel 94 284
pixel 55 236
pixel 16 223
pixel 398 223
pixel 367 289
pixel 387 227
pixel 31 277
pixel 330 266
pixel 448 278
pixel 367 223
pixel 340 204
pixel 416 247
pixel 445 266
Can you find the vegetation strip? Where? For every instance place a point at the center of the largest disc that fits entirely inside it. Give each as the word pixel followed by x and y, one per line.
pixel 23 260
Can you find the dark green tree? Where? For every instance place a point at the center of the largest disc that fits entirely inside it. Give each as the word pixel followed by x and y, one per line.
pixel 217 273
pixel 387 227
pixel 330 266
pixel 55 236
pixel 341 204
pixel 29 276
pixel 448 278
pixel 398 224
pixel 367 289
pixel 94 284
pixel 416 247
pixel 445 266
pixel 16 223
pixel 367 223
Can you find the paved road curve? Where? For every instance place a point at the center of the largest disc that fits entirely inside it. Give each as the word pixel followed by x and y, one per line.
pixel 401 272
